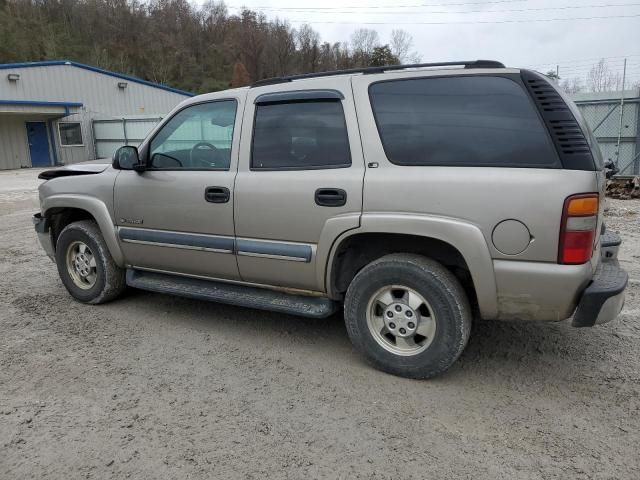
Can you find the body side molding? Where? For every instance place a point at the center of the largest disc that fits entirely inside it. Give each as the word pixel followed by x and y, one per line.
pixel 217 243
pixel 165 238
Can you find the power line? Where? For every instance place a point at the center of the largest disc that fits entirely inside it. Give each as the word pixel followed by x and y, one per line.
pixel 586 70
pixel 615 62
pixel 475 22
pixel 449 12
pixel 577 66
pixel 589 67
pixel 580 60
pixel 568 68
pixel 269 7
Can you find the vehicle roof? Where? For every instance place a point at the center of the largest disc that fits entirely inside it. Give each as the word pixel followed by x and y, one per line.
pixel 393 71
pixel 467 64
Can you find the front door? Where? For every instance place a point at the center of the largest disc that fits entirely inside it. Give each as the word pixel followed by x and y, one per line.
pixel 177 216
pixel 38 144
pixel 299 181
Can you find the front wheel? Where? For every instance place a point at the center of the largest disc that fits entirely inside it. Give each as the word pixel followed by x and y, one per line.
pixel 408 315
pixel 85 265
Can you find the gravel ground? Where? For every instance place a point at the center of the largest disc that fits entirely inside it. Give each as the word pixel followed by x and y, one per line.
pixel 152 386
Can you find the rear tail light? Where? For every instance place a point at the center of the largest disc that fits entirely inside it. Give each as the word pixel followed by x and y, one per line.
pixel 578 228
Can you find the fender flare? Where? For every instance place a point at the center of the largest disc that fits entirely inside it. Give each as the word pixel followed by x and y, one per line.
pixel 98 210
pixel 466 237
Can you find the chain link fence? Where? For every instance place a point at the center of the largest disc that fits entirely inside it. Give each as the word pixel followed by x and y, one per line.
pixel 616 126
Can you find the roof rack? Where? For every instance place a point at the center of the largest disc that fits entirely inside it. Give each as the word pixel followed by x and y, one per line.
pixel 386 68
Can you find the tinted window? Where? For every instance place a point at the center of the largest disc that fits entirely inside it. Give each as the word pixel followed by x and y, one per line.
pixel 479 121
pixel 198 137
pixel 300 135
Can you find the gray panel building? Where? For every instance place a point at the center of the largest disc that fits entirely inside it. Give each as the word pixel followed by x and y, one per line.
pixel 47 109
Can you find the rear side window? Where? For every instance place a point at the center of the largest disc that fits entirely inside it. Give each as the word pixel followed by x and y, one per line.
pixel 460 121
pixel 300 136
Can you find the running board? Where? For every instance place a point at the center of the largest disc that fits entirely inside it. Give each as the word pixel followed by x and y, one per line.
pixel 232 294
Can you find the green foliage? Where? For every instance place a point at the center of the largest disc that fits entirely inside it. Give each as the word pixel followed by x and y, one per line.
pixel 552 74
pixel 173 42
pixel 382 56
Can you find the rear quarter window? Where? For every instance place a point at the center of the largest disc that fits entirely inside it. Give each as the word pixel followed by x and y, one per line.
pixel 460 121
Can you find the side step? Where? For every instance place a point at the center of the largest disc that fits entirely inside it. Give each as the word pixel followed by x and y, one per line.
pixel 251 297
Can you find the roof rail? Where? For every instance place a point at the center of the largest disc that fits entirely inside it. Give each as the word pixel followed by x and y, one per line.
pixel 386 68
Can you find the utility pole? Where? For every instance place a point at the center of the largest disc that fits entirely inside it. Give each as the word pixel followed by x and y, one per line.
pixel 558 71
pixel 624 75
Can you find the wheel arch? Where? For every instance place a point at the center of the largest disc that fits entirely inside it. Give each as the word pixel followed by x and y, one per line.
pixel 62 210
pixel 457 244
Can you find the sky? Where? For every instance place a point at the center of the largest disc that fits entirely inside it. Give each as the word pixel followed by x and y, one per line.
pixel 519 33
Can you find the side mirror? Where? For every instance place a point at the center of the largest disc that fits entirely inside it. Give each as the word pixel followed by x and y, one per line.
pixel 127 158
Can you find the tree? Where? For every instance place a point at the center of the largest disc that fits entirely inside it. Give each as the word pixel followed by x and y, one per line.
pixel 601 79
pixel 309 48
pixel 363 41
pixel 553 75
pixel 240 76
pixel 281 48
pixel 191 46
pixel 401 43
pixel 572 85
pixel 382 56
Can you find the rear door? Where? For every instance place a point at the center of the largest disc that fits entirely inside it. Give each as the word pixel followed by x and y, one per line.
pixel 468 145
pixel 299 180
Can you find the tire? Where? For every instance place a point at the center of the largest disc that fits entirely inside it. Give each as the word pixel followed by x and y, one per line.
pixel 394 285
pixel 97 279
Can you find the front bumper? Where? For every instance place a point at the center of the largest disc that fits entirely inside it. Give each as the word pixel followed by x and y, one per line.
pixel 603 299
pixel 41 226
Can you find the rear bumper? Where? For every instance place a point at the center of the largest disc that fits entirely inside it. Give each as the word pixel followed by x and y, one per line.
pixel 603 299
pixel 609 244
pixel 542 291
pixel 41 226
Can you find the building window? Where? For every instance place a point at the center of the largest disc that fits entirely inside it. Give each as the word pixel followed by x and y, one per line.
pixel 70 134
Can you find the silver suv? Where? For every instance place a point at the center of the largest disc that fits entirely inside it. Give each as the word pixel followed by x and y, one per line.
pixel 413 197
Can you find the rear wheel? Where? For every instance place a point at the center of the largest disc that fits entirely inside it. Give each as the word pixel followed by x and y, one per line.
pixel 85 264
pixel 408 315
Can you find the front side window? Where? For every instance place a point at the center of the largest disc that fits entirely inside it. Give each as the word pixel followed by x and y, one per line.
pixel 300 136
pixel 196 138
pixel 460 121
pixel 70 134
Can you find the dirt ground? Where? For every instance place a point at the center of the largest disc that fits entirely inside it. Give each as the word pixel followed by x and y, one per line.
pixel 152 386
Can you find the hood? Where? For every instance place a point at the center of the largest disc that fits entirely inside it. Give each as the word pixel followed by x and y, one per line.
pixel 83 168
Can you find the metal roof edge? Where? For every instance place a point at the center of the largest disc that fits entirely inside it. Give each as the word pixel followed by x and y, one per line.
pixel 49 63
pixel 37 103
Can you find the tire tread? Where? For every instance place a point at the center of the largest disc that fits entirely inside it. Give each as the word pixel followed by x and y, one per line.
pixel 114 281
pixel 430 271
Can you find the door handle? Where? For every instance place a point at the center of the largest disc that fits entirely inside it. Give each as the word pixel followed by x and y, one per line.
pixel 217 194
pixel 331 197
